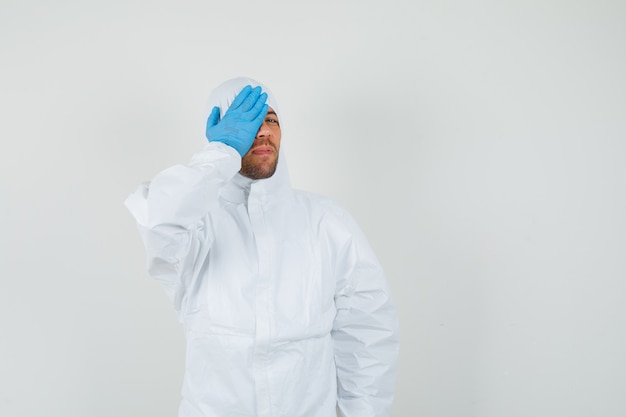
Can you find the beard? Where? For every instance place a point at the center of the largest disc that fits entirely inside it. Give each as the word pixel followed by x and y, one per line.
pixel 258 170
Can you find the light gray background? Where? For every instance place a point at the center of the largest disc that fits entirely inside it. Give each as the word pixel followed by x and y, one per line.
pixel 480 144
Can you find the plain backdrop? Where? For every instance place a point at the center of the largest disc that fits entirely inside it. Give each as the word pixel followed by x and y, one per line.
pixel 481 145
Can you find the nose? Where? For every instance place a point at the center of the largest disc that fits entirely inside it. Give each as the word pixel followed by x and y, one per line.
pixel 264 130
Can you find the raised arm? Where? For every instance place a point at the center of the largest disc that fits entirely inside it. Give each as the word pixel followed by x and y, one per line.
pixel 172 209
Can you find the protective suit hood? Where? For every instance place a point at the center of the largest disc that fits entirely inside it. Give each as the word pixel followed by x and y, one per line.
pixel 222 96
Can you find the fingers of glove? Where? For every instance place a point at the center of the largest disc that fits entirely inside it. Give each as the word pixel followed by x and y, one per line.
pixel 258 107
pixel 251 100
pixel 243 94
pixel 260 116
pixel 254 111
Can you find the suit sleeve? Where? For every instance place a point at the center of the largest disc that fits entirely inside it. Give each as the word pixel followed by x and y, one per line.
pixel 365 330
pixel 172 215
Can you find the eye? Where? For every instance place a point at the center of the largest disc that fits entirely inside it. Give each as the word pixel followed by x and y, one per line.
pixel 271 120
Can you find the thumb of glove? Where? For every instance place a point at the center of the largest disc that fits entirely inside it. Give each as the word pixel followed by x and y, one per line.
pixel 213 119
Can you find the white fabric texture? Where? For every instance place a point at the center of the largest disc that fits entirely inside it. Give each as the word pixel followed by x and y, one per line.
pixel 285 307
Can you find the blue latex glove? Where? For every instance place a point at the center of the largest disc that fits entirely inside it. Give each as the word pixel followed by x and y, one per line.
pixel 242 120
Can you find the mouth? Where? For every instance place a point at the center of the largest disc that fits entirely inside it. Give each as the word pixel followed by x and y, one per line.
pixel 262 150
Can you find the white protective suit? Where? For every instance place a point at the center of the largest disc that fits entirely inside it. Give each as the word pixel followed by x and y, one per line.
pixel 285 307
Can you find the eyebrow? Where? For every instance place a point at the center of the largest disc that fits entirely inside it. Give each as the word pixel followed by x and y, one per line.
pixel 272 112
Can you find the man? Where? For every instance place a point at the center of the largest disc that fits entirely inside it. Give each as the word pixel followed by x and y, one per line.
pixel 285 307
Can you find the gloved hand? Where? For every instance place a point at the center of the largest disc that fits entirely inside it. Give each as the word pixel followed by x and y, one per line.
pixel 242 120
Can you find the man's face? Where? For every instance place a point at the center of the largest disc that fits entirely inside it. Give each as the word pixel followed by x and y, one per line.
pixel 261 160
